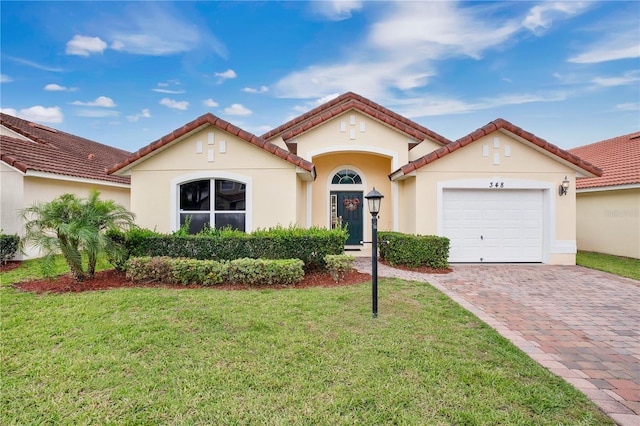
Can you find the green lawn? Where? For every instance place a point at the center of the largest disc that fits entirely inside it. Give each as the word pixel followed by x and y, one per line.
pixel 623 266
pixel 277 357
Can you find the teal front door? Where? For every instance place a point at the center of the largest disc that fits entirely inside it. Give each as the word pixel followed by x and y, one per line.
pixel 349 208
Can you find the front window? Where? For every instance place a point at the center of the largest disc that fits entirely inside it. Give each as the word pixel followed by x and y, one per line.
pixel 228 207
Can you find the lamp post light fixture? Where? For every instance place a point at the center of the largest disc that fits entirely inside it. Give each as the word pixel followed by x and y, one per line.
pixel 374 198
pixel 564 187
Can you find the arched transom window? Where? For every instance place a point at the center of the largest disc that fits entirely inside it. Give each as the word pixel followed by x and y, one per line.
pixel 227 210
pixel 346 177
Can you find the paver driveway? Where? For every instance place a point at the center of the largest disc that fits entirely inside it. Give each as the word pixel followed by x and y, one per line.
pixel 581 324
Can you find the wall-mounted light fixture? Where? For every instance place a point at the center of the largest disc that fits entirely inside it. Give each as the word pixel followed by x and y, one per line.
pixel 564 187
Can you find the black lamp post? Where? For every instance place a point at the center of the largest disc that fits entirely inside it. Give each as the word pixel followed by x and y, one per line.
pixel 374 198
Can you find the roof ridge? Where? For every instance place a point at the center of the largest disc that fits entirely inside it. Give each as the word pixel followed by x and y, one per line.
pixel 497 124
pixel 303 120
pixel 209 118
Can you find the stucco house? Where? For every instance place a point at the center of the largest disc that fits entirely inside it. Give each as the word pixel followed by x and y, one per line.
pixel 39 163
pixel 608 207
pixel 495 192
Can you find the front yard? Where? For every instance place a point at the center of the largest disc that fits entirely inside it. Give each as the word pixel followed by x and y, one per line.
pixel 303 356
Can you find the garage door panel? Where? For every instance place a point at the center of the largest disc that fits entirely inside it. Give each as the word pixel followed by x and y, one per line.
pixel 493 225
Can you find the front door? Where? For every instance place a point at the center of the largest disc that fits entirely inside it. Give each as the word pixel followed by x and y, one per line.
pixel 349 209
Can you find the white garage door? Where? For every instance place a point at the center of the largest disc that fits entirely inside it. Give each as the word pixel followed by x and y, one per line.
pixel 493 225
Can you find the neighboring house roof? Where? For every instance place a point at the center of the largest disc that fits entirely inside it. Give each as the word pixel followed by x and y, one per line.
pixel 618 157
pixel 498 124
pixel 52 151
pixel 210 119
pixel 344 103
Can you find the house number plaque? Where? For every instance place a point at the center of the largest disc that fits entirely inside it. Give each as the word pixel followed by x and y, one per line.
pixel 496 184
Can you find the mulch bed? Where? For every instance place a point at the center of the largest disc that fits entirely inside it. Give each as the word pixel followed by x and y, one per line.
pixel 111 279
pixel 421 269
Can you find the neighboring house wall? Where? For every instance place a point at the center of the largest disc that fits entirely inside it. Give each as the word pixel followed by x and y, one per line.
pixel 517 166
pixel 12 196
pixel 20 191
pixel 271 182
pixel 608 221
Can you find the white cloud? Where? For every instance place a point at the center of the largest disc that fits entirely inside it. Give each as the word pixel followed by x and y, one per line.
pixel 335 10
pixel 9 111
pixel 157 29
pixel 5 78
pixel 628 78
pixel 135 117
pixel 100 101
pixel 85 46
pixel 210 103
pixel 57 88
pixel 615 38
pixel 628 106
pixel 403 48
pixel 541 16
pixel 169 91
pixel 433 106
pixel 623 47
pixel 170 103
pixel 237 109
pixel 37 113
pixel 97 113
pixel 262 89
pixel 228 74
pixel 34 64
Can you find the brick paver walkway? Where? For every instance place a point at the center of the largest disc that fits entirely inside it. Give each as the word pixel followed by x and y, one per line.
pixel 581 324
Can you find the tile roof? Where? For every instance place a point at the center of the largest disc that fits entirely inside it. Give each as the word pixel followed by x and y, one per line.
pixel 344 103
pixel 210 119
pixel 54 151
pixel 618 157
pixel 497 124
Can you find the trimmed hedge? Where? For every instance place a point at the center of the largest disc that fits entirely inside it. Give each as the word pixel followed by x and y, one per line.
pixel 339 265
pixel 309 245
pixel 414 250
pixel 210 272
pixel 8 247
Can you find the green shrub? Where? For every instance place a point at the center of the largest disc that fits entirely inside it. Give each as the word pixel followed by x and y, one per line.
pixel 205 272
pixel 150 269
pixel 266 271
pixel 414 250
pixel 210 272
pixel 309 245
pixel 339 265
pixel 8 247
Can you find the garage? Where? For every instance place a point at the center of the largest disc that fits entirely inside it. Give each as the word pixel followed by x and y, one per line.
pixel 494 225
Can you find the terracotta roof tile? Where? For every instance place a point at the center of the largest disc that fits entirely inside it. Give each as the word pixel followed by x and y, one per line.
pixel 618 157
pixel 344 103
pixel 488 129
pixel 57 152
pixel 210 119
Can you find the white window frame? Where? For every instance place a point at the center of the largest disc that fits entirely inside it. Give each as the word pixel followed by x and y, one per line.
pixel 204 175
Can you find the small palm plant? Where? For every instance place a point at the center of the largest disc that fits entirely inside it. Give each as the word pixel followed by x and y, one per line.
pixel 71 225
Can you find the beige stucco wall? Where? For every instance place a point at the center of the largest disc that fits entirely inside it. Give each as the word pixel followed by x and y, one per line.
pixel 423 148
pixel 519 167
pixel 374 137
pixel 609 222
pixel 19 191
pixel 11 199
pixel 271 182
pixel 373 170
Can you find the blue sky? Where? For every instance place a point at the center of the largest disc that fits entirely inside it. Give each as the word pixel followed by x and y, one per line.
pixel 127 73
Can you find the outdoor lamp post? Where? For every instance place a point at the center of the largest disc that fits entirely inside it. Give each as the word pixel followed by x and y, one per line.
pixel 374 198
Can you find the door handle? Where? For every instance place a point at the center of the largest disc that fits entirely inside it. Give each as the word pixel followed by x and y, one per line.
pixel 481 237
